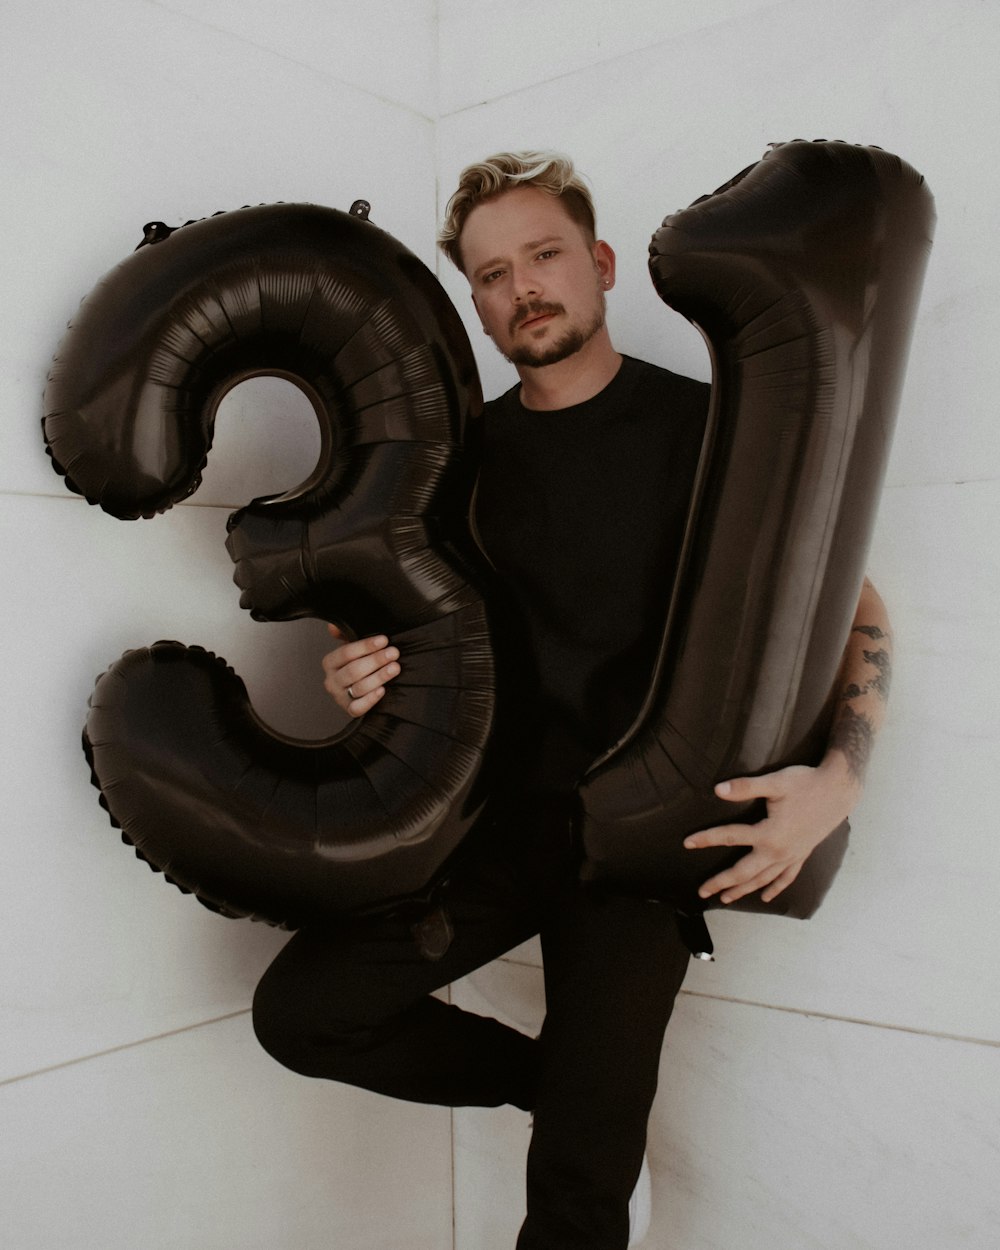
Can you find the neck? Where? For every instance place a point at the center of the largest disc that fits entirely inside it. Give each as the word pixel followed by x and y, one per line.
pixel 572 381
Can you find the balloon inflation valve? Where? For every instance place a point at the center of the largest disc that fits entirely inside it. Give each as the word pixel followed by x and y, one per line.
pixel 361 208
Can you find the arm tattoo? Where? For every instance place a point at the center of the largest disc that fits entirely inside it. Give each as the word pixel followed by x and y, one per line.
pixel 880 660
pixel 853 734
pixel 880 682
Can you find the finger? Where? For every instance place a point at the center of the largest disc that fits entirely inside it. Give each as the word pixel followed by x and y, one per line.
pixel 781 883
pixel 721 835
pixel 358 707
pixel 356 683
pixel 351 652
pixel 361 647
pixel 750 886
pixel 371 671
pixel 748 873
pixel 722 880
pixel 767 786
pixel 765 877
pixel 359 679
pixel 739 789
pixel 334 630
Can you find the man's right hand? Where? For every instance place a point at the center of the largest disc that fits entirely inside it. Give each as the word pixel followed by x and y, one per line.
pixel 357 672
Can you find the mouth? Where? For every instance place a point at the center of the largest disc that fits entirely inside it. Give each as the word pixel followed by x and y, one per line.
pixel 536 318
pixel 532 322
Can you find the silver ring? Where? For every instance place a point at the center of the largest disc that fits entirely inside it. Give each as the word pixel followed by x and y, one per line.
pixel 350 693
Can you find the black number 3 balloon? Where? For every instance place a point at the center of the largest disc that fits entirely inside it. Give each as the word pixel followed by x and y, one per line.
pixel 376 539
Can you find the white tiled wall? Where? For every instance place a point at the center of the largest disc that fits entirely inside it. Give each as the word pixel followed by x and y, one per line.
pixel 138 1111
pixel 831 1085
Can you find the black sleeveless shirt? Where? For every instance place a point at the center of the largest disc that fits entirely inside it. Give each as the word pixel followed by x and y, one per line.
pixel 582 512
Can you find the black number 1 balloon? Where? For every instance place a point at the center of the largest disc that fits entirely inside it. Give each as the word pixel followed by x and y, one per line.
pixel 803 274
pixel 376 540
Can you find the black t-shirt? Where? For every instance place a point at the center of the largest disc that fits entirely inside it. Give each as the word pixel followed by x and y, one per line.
pixel 582 512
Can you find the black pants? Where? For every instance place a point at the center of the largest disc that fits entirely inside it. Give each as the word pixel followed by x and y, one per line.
pixel 351 1003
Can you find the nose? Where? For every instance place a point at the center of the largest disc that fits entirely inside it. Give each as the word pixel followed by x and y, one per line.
pixel 524 285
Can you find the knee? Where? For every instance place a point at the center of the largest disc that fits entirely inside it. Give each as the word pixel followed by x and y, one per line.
pixel 276 1028
pixel 286 1025
pixel 292 1027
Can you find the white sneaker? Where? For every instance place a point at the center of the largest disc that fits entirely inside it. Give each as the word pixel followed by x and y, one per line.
pixel 640 1207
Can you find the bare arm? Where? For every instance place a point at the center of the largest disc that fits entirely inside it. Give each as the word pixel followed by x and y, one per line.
pixel 865 680
pixel 805 804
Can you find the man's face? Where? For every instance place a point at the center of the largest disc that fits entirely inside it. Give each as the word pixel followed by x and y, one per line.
pixel 537 282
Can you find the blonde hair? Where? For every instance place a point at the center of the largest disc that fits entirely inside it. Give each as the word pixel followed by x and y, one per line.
pixel 490 178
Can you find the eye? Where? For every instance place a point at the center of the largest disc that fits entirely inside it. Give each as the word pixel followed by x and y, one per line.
pixel 492 276
pixel 549 251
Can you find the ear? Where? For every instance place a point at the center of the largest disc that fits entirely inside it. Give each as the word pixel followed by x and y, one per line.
pixel 604 263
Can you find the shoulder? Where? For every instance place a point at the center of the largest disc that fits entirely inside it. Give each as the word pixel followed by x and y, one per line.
pixel 509 401
pixel 658 397
pixel 656 380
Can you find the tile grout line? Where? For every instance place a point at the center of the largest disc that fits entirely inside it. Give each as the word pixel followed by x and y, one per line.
pixel 437 274
pixel 68 496
pixel 114 1050
pixel 812 1013
pixel 718 998
pixel 454 1190
pixel 314 70
pixel 601 64
pixel 451 1133
pixel 838 1019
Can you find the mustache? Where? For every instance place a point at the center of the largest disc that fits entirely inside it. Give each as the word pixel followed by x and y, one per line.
pixel 536 309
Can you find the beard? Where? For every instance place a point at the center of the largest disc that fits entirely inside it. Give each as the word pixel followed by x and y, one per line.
pixel 572 340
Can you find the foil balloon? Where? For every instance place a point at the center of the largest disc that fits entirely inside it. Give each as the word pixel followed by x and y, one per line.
pixel 376 540
pixel 803 274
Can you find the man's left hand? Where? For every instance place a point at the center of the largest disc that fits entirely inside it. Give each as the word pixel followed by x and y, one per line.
pixel 803 806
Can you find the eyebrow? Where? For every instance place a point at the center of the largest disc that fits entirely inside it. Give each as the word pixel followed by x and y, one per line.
pixel 486 266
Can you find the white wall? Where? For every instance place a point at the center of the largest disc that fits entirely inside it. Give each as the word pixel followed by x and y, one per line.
pixel 834 1084
pixel 137 1108
pixel 831 1085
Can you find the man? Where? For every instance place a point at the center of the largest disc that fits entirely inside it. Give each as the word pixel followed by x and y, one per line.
pixel 586 473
